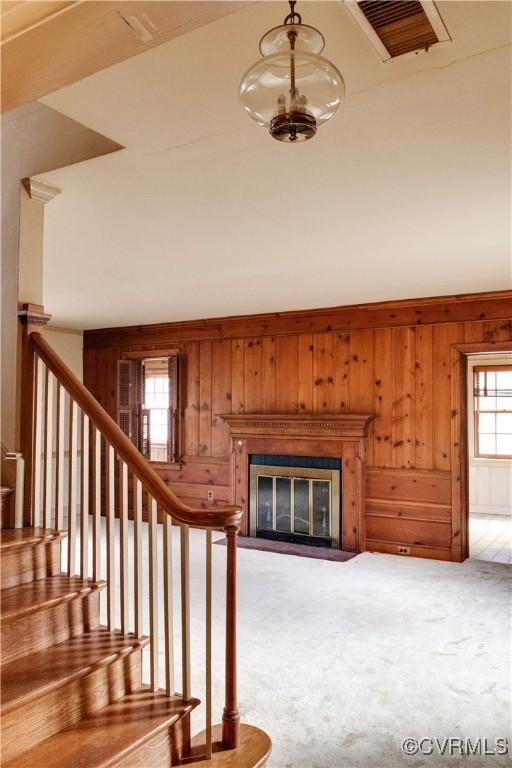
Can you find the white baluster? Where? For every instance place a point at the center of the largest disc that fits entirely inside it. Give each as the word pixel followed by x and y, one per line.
pixel 123 543
pixel 48 449
pixel 72 489
pixel 153 592
pixel 137 562
pixel 59 459
pixel 208 644
pixel 111 571
pixel 96 508
pixel 38 441
pixel 84 499
pixel 168 607
pixel 185 610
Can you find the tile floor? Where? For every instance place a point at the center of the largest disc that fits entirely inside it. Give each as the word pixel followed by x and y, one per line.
pixel 490 537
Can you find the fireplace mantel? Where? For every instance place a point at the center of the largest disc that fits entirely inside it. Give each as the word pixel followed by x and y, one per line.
pixel 334 425
pixel 338 435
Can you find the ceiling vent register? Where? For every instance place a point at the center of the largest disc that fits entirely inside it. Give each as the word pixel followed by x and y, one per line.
pixel 397 28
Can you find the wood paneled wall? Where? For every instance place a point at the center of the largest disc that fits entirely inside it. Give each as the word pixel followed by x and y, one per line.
pixel 398 369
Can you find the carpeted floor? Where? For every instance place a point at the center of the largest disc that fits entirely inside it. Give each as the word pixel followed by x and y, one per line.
pixel 339 662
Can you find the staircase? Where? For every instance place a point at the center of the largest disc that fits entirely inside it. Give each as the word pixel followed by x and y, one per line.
pixel 74 692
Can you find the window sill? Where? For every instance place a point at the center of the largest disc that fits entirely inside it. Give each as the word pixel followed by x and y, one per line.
pixel 173 465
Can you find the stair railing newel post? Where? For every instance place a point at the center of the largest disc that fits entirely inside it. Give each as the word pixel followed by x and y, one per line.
pixel 33 319
pixel 231 714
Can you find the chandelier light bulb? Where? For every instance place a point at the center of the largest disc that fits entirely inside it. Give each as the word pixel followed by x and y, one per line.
pixel 292 89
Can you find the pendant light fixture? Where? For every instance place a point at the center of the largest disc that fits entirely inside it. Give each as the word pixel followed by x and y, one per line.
pixel 292 90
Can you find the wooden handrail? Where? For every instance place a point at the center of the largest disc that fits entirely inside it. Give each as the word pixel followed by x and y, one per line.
pixel 228 517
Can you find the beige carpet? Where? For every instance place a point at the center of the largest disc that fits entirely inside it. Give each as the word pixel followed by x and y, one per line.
pixel 339 662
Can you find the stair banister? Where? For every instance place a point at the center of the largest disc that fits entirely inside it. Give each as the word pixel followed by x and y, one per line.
pixel 36 350
pixel 223 518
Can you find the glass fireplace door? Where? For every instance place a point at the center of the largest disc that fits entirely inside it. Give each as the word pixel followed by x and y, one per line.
pixel 295 504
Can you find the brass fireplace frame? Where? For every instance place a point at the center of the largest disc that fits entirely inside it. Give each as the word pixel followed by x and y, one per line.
pixel 332 476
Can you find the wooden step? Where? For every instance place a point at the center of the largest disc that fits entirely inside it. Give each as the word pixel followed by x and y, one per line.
pixel 53 689
pixel 6 503
pixel 253 750
pixel 41 613
pixel 134 732
pixel 28 554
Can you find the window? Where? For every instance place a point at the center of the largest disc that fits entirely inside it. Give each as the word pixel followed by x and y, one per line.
pixel 148 405
pixel 493 411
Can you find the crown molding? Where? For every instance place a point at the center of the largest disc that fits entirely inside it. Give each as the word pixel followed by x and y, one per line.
pixel 39 191
pixel 490 306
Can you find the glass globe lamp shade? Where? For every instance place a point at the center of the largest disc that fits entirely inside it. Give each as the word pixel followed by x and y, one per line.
pixel 292 90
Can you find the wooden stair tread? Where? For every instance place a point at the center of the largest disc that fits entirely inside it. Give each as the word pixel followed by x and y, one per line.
pixel 11 538
pixel 23 680
pixel 36 595
pixel 253 749
pixel 103 738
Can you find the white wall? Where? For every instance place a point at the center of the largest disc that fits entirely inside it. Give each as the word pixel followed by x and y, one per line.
pixel 490 480
pixel 69 345
pixel 35 139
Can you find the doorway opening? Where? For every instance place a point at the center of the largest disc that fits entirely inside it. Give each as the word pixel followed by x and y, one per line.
pixel 490 456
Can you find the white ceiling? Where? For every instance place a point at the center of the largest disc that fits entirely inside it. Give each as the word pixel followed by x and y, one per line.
pixel 405 193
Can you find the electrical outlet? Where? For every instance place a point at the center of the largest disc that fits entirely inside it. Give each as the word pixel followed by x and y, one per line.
pixel 210 495
pixel 404 550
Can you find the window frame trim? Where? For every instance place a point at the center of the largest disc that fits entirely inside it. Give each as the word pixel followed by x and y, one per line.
pixel 476 369
pixel 155 352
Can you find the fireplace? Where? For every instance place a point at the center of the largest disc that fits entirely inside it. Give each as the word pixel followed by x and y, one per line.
pixel 295 498
pixel 301 436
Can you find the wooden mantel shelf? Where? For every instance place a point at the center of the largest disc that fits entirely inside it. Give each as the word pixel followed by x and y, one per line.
pixel 326 425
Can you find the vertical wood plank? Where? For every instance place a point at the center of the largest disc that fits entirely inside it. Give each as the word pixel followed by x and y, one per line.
pixel 341 362
pixel 168 607
pixel 383 398
pixel 361 377
pixel 110 523
pixel 443 336
pixel 252 375
pixel 350 533
pixel 205 398
pixel 221 396
pixel 84 496
pixel 473 332
pixel 403 397
pixel 287 374
pixel 72 486
pixel 153 593
pixel 498 330
pixel 101 378
pixel 424 446
pixel 123 546
pixel 323 373
pixel 48 449
pixel 459 455
pixel 268 375
pixel 237 375
pixel 191 425
pixel 137 559
pixel 59 457
pixel 113 355
pixel 305 372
